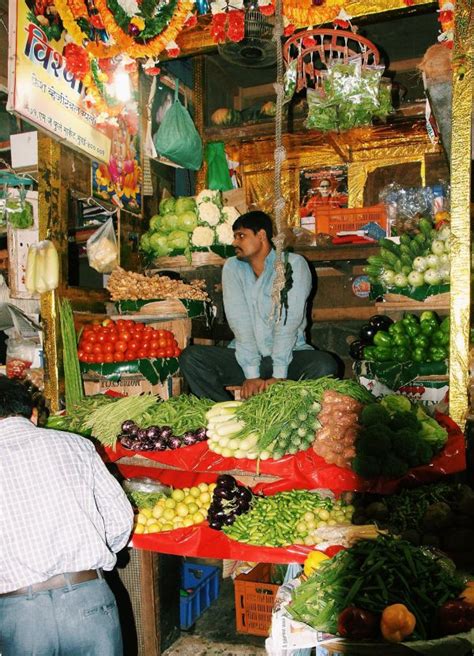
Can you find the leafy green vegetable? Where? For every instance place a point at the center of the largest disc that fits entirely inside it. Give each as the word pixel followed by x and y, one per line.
pixel 396 403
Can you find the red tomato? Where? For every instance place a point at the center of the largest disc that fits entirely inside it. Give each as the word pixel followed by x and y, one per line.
pixel 170 342
pixel 147 330
pixel 162 343
pixel 113 337
pixel 96 325
pixel 101 337
pixel 108 357
pixel 108 348
pixel 80 355
pixel 90 337
pixel 130 355
pixel 107 322
pixel 120 346
pixel 96 358
pixel 177 352
pixel 169 352
pixel 152 353
pixel 139 326
pixel 87 348
pixel 154 344
pixel 97 349
pixel 160 353
pixel 133 344
pixel 121 323
pixel 129 323
pixel 142 353
pixel 124 335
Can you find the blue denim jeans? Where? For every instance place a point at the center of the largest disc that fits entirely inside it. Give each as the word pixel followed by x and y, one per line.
pixel 77 620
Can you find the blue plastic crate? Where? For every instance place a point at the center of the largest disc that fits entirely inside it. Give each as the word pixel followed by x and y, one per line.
pixel 201 582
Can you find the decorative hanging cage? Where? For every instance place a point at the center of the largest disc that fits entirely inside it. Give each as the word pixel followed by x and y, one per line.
pixel 257 48
pixel 315 50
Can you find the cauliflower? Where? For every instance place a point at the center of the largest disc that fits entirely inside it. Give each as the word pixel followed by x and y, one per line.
pixel 225 234
pixel 209 213
pixel 230 213
pixel 202 236
pixel 208 196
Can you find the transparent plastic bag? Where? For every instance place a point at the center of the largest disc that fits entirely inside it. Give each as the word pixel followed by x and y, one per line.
pixel 289 82
pixel 102 248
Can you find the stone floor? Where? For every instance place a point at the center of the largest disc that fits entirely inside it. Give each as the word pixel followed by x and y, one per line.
pixel 214 633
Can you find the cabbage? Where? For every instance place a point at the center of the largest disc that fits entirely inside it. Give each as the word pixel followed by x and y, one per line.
pixel 178 239
pixel 159 244
pixel 155 223
pixel 145 243
pixel 169 222
pixel 185 204
pixel 167 205
pixel 187 221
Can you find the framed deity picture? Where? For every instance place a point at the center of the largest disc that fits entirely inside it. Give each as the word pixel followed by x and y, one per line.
pixel 322 189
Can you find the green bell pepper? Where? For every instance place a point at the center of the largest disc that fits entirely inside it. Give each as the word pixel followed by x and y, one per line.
pixel 445 325
pixel 397 328
pixel 440 338
pixel 438 353
pixel 428 327
pixel 412 329
pixel 409 318
pixel 419 355
pixel 369 353
pixel 421 341
pixel 382 354
pixel 382 338
pixel 401 340
pixel 401 354
pixel 429 315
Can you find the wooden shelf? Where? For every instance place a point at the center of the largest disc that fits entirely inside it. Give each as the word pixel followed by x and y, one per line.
pixel 348 313
pixel 337 253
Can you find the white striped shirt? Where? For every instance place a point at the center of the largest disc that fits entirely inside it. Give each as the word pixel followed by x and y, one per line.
pixel 60 509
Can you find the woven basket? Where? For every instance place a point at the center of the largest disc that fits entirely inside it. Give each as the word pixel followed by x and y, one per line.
pixel 174 262
pixel 198 259
pixel 207 259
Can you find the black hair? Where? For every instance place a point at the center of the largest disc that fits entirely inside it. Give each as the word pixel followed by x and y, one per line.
pixel 15 399
pixel 255 220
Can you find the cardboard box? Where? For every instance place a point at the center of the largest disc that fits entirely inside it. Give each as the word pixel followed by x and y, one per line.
pixel 131 385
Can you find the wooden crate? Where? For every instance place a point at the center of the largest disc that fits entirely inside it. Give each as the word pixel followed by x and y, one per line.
pixel 131 385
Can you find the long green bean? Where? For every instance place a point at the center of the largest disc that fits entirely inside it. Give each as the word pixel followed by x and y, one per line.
pixel 72 373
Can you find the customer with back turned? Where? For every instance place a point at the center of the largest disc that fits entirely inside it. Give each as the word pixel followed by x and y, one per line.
pixel 63 517
pixel 267 346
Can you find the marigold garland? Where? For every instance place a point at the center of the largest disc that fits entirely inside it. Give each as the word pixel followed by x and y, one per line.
pixel 78 36
pixel 147 26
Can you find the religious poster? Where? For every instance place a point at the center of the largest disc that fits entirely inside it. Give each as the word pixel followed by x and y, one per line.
pixel 322 189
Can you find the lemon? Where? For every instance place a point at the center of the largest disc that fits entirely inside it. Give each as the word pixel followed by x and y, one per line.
pixel 154 528
pixel 170 503
pixel 212 487
pixel 182 510
pixel 187 521
pixel 195 492
pixel 146 512
pixel 168 513
pixel 177 495
pixel 178 523
pixel 203 487
pixel 157 511
pixel 192 508
pixel 139 528
pixel 141 519
pixel 186 490
pixel 167 527
pixel 189 499
pixel 198 517
pixel 204 497
pixel 150 521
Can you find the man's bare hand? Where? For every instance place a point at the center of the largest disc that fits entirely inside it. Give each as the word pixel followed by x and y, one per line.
pixel 271 381
pixel 252 387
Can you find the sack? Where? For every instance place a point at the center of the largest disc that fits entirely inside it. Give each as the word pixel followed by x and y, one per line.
pixel 177 137
pixel 102 250
pixel 218 175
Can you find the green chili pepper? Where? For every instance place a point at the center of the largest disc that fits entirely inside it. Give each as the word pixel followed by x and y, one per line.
pixel 382 338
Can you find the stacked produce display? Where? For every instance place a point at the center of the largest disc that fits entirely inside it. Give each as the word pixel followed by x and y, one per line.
pixel 188 224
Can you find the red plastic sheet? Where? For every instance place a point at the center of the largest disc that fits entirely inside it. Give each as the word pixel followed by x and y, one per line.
pixel 306 470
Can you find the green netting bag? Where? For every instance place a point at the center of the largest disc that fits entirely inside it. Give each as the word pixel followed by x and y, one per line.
pixel 177 138
pixel 218 176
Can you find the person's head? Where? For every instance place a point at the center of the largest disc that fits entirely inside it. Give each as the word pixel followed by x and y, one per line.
pixel 253 233
pixel 324 187
pixel 15 399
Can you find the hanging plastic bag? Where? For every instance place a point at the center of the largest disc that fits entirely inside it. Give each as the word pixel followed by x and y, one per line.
pixel 218 176
pixel 177 137
pixel 19 212
pixel 42 267
pixel 102 249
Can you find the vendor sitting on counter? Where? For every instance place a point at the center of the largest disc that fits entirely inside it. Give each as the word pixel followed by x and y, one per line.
pixel 265 349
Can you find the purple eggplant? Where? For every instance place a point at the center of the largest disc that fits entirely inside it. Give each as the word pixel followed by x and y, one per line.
pixel 174 442
pixel 126 441
pixel 166 431
pixel 189 439
pixel 161 444
pixel 224 493
pixel 244 493
pixel 215 524
pixel 142 434
pixel 128 425
pixel 201 434
pixel 153 432
pixel 226 481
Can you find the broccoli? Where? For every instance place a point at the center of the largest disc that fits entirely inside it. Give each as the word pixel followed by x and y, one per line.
pixel 373 415
pixel 434 434
pixel 424 454
pixel 405 445
pixel 393 467
pixel 404 419
pixel 373 441
pixel 366 466
pixel 396 403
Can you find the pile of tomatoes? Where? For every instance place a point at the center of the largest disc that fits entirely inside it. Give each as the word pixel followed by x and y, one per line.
pixel 124 340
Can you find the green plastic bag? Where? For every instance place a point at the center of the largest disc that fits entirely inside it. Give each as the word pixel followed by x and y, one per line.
pixel 218 176
pixel 177 138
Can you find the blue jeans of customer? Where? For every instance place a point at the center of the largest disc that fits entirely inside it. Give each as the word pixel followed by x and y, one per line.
pixel 77 620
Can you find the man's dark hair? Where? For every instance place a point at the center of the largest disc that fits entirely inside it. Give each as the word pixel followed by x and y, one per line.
pixel 255 221
pixel 15 400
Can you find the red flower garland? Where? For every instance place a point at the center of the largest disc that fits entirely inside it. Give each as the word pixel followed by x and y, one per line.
pixel 77 60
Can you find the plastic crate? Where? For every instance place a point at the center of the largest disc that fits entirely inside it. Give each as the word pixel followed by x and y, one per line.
pixel 201 583
pixel 339 219
pixel 254 599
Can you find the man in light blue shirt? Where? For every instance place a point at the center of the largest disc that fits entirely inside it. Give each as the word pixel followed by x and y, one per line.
pixel 267 346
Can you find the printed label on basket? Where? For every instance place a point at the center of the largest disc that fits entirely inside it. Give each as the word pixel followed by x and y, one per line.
pixel 361 286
